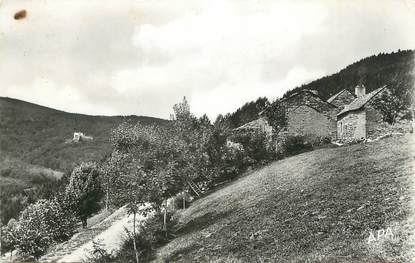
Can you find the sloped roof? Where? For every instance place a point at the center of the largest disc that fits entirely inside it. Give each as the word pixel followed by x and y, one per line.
pixel 260 123
pixel 360 101
pixel 309 92
pixel 337 94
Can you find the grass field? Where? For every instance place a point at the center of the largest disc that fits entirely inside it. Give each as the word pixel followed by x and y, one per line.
pixel 320 206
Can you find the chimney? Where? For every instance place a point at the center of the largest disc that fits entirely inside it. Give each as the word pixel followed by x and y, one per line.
pixel 360 90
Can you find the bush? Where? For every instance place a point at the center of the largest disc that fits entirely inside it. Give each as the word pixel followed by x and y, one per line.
pixel 232 164
pixel 42 224
pixel 9 236
pixel 153 229
pixel 84 190
pixel 294 145
pixel 99 254
pixel 178 201
pixel 257 146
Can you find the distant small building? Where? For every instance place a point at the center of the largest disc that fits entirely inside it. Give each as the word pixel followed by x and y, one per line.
pixel 359 119
pixel 79 136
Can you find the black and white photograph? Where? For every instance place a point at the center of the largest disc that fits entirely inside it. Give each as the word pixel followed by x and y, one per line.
pixel 223 131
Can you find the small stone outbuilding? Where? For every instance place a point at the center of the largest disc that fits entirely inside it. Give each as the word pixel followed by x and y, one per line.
pixel 359 119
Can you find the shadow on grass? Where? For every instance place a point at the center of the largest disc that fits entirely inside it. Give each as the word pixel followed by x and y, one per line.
pixel 202 222
pixel 183 251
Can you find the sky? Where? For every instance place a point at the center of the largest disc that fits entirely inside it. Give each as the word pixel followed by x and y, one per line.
pixel 124 57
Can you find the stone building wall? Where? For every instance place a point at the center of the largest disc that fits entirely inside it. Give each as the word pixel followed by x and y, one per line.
pixel 308 114
pixel 352 126
pixel 304 120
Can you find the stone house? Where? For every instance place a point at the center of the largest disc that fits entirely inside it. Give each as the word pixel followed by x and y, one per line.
pixel 359 119
pixel 309 114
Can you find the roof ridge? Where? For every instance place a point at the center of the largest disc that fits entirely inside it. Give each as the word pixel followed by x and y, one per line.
pixel 329 100
pixel 359 102
pixel 310 92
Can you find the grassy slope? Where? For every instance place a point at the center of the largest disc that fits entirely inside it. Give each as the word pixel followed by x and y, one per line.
pixel 317 206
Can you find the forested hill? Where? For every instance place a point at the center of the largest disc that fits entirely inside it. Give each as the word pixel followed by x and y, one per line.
pixel 39 135
pixel 395 69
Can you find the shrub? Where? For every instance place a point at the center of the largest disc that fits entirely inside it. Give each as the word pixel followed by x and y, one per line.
pixel 98 254
pixel 257 146
pixel 153 229
pixel 178 201
pixel 233 163
pixel 150 237
pixel 294 145
pixel 9 236
pixel 85 190
pixel 42 224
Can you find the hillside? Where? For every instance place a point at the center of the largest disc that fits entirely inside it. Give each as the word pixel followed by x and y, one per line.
pixel 35 149
pixel 319 206
pixel 37 134
pixel 396 70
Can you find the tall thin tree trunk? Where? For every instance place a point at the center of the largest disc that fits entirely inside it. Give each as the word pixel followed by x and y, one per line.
pixel 107 197
pixel 84 222
pixel 135 244
pixel 165 218
pixel 184 201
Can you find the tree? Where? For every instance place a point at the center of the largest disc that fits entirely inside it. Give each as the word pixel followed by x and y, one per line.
pixel 111 170
pixel 42 224
pixel 192 136
pixel 84 190
pixel 390 106
pixel 146 169
pixel 276 116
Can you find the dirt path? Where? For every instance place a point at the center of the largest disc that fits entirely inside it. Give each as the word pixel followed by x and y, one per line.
pixel 111 239
pixel 110 231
